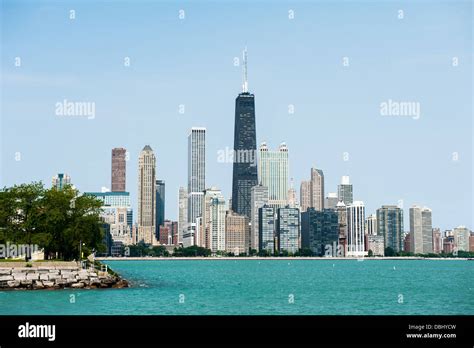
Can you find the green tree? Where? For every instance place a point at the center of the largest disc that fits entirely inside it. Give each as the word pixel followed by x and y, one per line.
pixel 389 251
pixel 304 252
pixel 57 220
pixel 252 252
pixel 20 214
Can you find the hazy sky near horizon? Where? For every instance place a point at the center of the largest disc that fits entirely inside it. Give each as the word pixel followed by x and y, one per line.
pixel 337 124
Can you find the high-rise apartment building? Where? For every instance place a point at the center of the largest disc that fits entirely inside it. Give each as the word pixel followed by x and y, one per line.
pixel 317 189
pixel 437 241
pixel 341 211
pixel 288 229
pixel 292 197
pixel 236 233
pixel 259 198
pixel 461 238
pixel 61 180
pixel 146 217
pixel 212 234
pixel 344 191
pixel 196 172
pixel 172 230
pixel 376 245
pixel 305 195
pixel 390 226
pixel 119 169
pixel 371 225
pixel 331 200
pixel 160 205
pixel 117 212
pixel 273 173
pixel 320 232
pixel 182 213
pixel 266 229
pixel 421 230
pixel 244 172
pixel 356 229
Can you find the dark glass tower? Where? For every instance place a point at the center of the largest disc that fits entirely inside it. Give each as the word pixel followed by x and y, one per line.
pixel 319 229
pixel 160 206
pixel 244 175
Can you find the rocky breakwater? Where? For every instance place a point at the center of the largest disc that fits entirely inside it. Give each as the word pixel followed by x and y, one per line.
pixel 57 277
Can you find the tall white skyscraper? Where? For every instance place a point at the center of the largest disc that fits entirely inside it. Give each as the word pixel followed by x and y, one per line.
pixel 212 235
pixel 355 229
pixel 317 189
pixel 273 173
pixel 146 196
pixel 421 230
pixel 258 198
pixel 182 212
pixel 344 191
pixel 196 171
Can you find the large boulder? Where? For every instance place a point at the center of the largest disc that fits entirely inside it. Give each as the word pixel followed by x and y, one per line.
pixel 19 276
pixel 83 275
pixel 60 282
pixel 13 283
pixel 48 284
pixel 94 280
pixel 32 276
pixel 54 276
pixel 38 284
pixel 67 274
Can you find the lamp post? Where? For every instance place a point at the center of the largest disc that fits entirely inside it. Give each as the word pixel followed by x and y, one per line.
pixel 80 249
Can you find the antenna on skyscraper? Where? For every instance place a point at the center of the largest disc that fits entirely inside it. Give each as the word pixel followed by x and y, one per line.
pixel 245 86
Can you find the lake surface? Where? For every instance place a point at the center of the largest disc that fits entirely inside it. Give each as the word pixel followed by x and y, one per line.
pixel 266 287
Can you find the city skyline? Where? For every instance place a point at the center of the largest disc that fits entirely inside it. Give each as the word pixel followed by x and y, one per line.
pixel 411 178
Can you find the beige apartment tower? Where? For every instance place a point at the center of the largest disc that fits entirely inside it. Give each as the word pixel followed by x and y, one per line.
pixel 317 189
pixel 305 195
pixel 421 230
pixel 236 233
pixel 146 196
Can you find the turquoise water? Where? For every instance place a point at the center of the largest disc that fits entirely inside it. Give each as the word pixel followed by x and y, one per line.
pixel 266 287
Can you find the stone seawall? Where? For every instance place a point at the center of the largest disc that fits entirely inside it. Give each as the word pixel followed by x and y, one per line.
pixel 57 277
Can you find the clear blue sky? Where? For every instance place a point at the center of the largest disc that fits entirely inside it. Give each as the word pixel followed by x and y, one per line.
pixel 299 62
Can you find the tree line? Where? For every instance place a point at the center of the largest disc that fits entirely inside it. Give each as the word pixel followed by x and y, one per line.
pixel 60 221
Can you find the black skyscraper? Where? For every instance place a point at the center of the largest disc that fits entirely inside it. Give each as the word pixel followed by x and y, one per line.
pixel 244 175
pixel 319 229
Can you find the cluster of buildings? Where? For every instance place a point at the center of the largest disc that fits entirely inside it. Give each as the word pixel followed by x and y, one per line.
pixel 264 214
